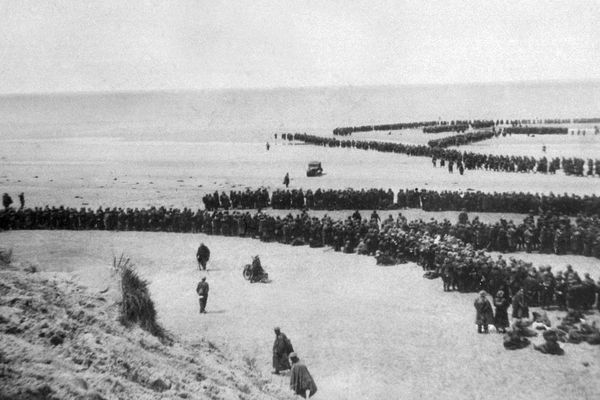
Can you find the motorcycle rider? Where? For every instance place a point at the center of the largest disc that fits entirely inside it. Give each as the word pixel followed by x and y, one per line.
pixel 257 270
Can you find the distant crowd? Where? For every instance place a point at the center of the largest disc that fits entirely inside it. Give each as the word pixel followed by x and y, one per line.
pixel 453 158
pixel 452 251
pixel 537 130
pixel 551 233
pixel 463 125
pixel 460 140
pixel 382 199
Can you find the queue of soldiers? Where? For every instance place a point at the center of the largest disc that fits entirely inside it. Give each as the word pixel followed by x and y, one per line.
pixel 512 202
pixel 459 140
pixel 381 199
pixel 551 233
pixel 451 157
pixel 537 130
pixel 446 128
pixel 428 126
pixel 330 199
pixel 345 131
pixel 258 198
pixel 461 126
pixel 451 251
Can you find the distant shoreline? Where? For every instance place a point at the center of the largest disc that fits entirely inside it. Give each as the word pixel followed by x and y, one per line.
pixel 181 91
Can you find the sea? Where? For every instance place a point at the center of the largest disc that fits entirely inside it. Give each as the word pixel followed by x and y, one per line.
pixel 253 115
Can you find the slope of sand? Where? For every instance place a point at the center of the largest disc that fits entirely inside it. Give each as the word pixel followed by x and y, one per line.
pixel 60 341
pixel 365 332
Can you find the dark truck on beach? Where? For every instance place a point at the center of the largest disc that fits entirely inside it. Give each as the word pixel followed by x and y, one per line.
pixel 314 169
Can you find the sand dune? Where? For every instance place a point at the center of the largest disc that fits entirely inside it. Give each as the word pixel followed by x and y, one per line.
pixel 364 331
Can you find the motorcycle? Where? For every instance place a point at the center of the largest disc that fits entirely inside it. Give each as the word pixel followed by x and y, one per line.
pixel 247 273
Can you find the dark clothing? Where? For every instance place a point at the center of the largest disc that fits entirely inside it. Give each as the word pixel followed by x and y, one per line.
pixel 257 271
pixel 484 314
pixel 282 347
pixel 550 347
pixel 301 380
pixel 6 200
pixel 514 341
pixel 286 180
pixel 202 290
pixel 519 305
pixel 202 255
pixel 501 316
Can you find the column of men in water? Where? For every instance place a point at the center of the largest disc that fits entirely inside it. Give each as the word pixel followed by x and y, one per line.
pixel 468 160
pixel 462 125
pixel 431 243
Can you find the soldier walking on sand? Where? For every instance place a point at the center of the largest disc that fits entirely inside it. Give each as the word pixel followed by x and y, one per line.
pixel 301 382
pixel 202 290
pixel 286 179
pixel 202 255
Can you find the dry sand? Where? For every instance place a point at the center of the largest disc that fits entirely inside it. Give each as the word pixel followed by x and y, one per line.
pixel 364 331
pixel 103 171
pixel 59 340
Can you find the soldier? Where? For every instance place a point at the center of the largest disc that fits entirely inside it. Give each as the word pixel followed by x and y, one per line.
pixel 519 305
pixel 501 316
pixel 550 346
pixel 282 347
pixel 202 255
pixel 6 200
pixel 286 179
pixel 484 313
pixel 301 382
pixel 22 200
pixel 202 290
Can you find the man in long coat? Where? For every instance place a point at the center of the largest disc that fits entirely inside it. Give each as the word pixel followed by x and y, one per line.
pixel 519 305
pixel 202 290
pixel 202 255
pixel 282 347
pixel 501 316
pixel 484 313
pixel 301 382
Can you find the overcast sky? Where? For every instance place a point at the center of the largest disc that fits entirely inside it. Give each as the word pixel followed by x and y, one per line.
pixel 89 45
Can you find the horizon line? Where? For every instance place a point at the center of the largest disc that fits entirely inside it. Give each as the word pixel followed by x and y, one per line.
pixel 276 88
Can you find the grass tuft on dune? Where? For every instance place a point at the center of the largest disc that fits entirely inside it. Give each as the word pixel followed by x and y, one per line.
pixel 137 306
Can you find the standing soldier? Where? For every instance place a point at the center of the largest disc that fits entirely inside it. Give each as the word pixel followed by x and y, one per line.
pixel 202 255
pixel 6 200
pixel 286 179
pixel 484 313
pixel 282 347
pixel 202 290
pixel 22 200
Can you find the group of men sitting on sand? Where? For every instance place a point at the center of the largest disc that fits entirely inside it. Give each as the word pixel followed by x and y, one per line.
pixel 573 328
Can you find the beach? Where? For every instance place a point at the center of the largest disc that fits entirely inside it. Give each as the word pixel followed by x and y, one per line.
pixel 365 331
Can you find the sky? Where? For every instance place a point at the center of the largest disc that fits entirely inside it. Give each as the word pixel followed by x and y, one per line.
pixel 122 45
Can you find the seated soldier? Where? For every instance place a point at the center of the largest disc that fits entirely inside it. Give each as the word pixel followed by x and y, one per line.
pixel 522 326
pixel 550 346
pixel 513 340
pixel 362 248
pixel 383 259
